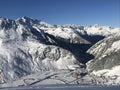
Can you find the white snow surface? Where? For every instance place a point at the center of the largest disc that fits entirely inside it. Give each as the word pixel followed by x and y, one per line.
pixel 24 49
pixel 101 30
pixel 109 76
pixel 46 77
pixel 106 64
pixel 106 46
pixel 115 45
pixel 108 72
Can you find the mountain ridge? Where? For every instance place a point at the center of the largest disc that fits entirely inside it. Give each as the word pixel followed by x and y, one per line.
pixel 29 46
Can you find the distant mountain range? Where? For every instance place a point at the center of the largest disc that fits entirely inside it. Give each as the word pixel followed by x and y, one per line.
pixel 29 46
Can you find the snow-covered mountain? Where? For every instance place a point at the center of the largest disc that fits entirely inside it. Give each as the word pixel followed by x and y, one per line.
pixel 101 30
pixel 29 46
pixel 107 59
pixel 25 49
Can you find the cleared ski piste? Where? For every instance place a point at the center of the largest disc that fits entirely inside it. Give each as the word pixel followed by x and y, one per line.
pixel 63 87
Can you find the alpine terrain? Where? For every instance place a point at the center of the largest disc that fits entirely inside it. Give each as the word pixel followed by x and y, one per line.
pixel 33 52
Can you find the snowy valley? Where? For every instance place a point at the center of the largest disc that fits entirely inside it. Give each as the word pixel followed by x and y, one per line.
pixel 33 52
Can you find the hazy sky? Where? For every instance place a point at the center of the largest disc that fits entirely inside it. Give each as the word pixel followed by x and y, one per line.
pixel 81 12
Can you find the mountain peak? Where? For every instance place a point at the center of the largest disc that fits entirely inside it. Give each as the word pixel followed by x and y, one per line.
pixel 28 20
pixel 29 45
pixel 25 17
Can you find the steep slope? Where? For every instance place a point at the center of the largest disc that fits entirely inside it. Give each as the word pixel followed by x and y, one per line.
pixel 66 37
pixel 29 46
pixel 25 50
pixel 106 52
pixel 78 39
pixel 106 63
pixel 97 32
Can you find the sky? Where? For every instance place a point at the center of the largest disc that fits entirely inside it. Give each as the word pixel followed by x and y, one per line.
pixel 79 12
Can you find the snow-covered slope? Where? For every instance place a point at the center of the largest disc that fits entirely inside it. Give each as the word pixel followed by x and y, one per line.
pixel 106 52
pixel 101 30
pixel 67 33
pixel 25 50
pixel 48 77
pixel 28 46
pixel 107 59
